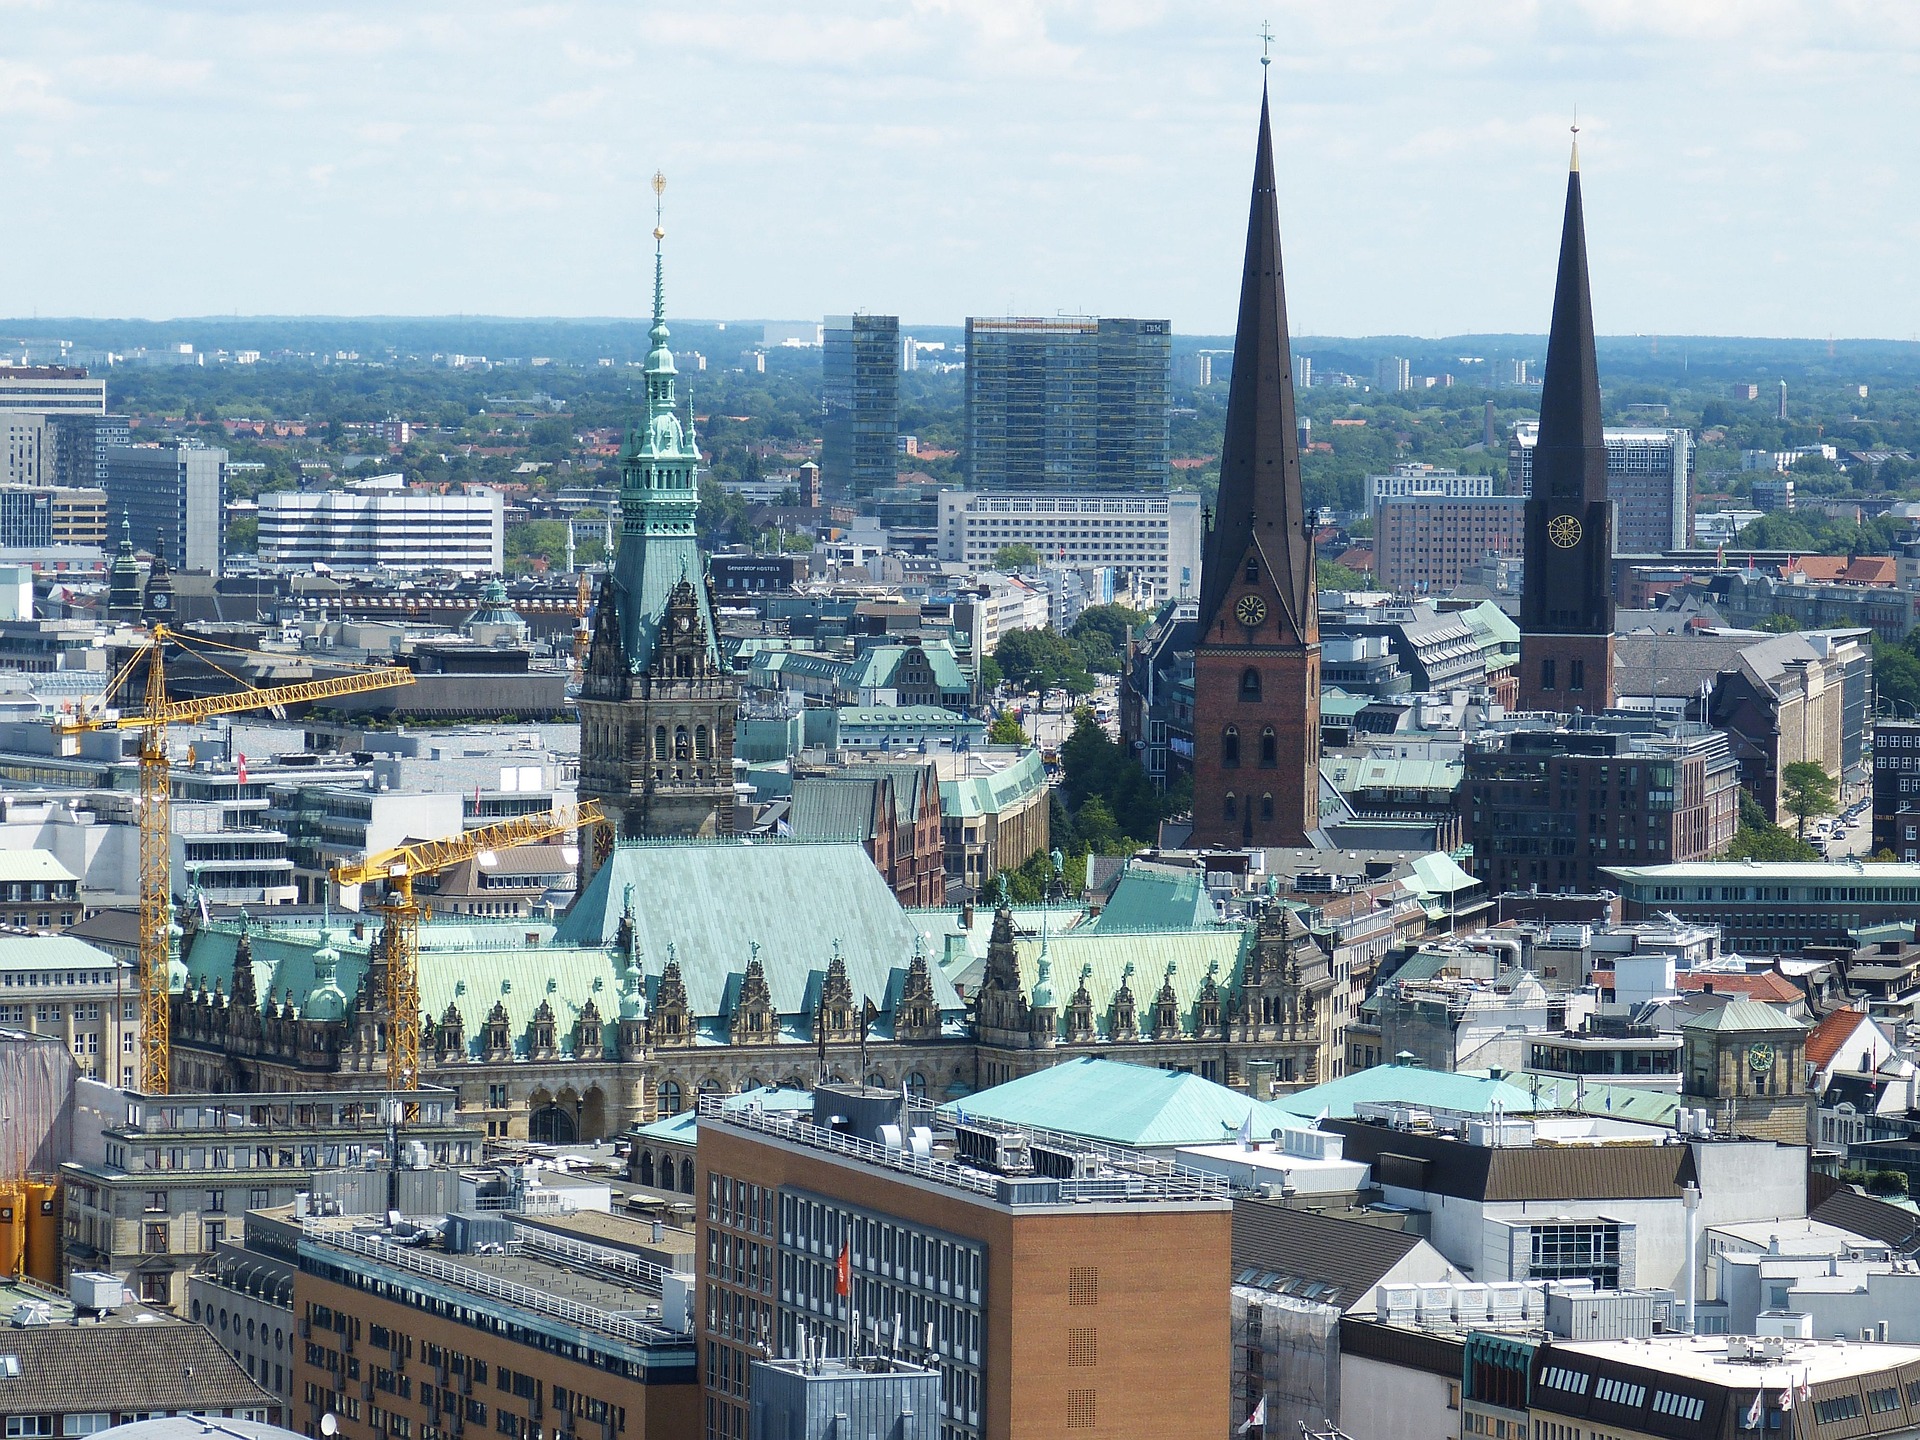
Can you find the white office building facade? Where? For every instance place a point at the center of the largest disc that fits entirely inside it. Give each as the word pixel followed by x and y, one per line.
pixel 1153 538
pixel 385 530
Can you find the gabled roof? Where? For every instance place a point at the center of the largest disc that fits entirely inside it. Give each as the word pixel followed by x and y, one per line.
pixel 1834 1031
pixel 1304 1249
pixel 1880 1220
pixel 52 952
pixel 1124 1105
pixel 1185 957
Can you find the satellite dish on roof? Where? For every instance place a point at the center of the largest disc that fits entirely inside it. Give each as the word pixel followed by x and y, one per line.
pixel 329 1424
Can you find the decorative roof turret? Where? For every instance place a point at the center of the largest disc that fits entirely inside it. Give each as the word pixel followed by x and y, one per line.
pixel 326 1001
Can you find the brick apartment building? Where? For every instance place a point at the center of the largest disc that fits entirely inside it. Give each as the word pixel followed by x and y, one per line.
pixel 1426 543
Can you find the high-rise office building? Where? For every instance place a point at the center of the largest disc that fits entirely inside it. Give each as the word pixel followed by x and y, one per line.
pixel 1566 607
pixel 1649 480
pixel 80 445
pixel 26 447
pixel 388 529
pixel 860 404
pixel 1074 403
pixel 1393 372
pixel 174 496
pixel 52 390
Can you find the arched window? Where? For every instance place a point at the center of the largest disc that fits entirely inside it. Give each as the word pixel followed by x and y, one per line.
pixel 916 1085
pixel 700 742
pixel 1269 748
pixel 1250 684
pixel 1233 806
pixel 659 742
pixel 686 1176
pixel 681 747
pixel 1230 747
pixel 1266 806
pixel 670 1103
pixel 1253 570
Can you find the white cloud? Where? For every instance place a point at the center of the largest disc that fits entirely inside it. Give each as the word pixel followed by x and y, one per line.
pixel 1747 167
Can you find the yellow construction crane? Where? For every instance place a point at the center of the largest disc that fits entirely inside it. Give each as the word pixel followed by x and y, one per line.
pixel 156 794
pixel 399 867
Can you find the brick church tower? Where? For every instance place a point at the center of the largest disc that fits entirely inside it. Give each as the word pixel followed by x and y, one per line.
pixel 657 705
pixel 1256 664
pixel 1566 608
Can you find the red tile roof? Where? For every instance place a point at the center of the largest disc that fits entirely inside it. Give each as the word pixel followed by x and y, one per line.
pixel 1826 1038
pixel 1767 985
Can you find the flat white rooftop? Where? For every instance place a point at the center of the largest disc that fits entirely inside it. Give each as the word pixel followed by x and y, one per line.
pixel 1704 1358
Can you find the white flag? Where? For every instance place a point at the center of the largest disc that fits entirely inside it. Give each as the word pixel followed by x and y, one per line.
pixel 1246 1131
pixel 1756 1412
pixel 1258 1417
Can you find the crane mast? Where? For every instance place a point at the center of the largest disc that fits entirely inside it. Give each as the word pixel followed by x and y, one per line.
pixel 156 810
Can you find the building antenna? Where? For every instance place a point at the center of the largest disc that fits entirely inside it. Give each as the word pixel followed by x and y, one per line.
pixel 1266 44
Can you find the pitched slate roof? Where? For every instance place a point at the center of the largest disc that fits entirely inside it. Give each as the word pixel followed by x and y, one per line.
pixel 118 1365
pixel 1325 1258
pixel 1881 1220
pixel 1124 1105
pixel 1442 1165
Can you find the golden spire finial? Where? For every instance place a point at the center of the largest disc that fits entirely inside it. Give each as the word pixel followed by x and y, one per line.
pixel 1573 165
pixel 659 189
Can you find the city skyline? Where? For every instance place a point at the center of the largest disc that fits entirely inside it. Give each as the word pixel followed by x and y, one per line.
pixel 938 161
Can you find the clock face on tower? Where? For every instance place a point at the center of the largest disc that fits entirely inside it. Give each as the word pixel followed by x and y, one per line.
pixel 1564 531
pixel 1760 1058
pixel 1251 610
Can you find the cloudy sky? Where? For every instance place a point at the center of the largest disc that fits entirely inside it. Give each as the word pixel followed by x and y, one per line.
pixel 1749 167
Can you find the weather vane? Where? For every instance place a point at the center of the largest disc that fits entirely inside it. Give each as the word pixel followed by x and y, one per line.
pixel 659 189
pixel 1266 44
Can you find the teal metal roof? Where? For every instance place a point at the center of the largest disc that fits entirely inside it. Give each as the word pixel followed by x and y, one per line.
pixel 1125 1105
pixel 879 665
pixel 832 807
pixel 1488 619
pixel 1409 1085
pixel 1435 873
pixel 685 1127
pixel 1623 1102
pixel 53 952
pixel 1338 704
pixel 1744 1015
pixel 1148 897
pixel 714 900
pixel 990 794
pixel 1349 774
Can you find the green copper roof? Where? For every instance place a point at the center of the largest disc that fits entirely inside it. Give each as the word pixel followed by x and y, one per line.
pixel 1147 897
pixel 879 666
pixel 973 795
pixel 1099 959
pixel 714 900
pixel 1125 1105
pixel 1492 623
pixel 1338 704
pixel 659 493
pixel 685 1127
pixel 1409 1085
pixel 1595 1097
pixel 1737 1015
pixel 832 807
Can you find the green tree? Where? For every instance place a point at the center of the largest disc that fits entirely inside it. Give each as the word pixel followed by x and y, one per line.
pixel 1015 557
pixel 1779 625
pixel 1896 675
pixel 1006 729
pixel 1340 577
pixel 1113 623
pixel 1039 658
pixel 1758 838
pixel 1807 790
pixel 243 534
pixel 990 675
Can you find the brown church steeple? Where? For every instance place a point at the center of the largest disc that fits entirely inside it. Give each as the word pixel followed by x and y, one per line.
pixel 1566 608
pixel 1257 660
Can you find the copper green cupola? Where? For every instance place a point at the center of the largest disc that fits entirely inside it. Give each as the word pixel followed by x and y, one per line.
pixel 659 494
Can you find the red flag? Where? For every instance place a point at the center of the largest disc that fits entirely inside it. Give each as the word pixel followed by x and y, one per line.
pixel 843 1273
pixel 243 769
